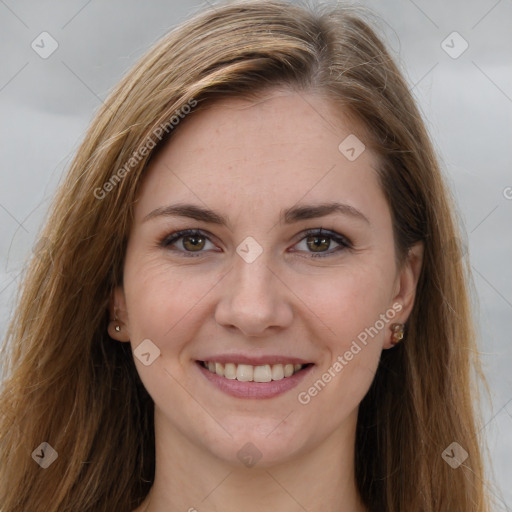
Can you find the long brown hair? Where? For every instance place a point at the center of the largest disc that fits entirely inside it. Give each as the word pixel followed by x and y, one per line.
pixel 67 383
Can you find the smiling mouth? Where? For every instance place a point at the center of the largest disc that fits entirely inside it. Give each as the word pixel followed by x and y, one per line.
pixel 249 373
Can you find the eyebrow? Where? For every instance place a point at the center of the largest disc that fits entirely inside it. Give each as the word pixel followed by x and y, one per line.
pixel 288 216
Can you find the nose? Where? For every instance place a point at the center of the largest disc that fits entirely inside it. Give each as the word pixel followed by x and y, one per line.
pixel 254 298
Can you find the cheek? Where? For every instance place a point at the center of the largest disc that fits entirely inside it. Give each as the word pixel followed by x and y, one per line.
pixel 348 300
pixel 352 347
pixel 161 300
pixel 163 307
pixel 352 314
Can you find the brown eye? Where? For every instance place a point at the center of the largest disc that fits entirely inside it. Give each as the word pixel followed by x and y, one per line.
pixel 318 243
pixel 193 243
pixel 189 242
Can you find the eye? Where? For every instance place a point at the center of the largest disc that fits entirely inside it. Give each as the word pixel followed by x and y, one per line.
pixel 318 241
pixel 191 241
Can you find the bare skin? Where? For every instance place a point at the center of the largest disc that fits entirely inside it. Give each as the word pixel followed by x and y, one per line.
pixel 304 296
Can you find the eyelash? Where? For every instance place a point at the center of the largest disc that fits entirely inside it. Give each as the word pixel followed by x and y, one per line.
pixel 336 237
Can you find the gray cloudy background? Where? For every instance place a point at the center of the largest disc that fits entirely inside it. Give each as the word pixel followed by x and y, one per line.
pixel 46 105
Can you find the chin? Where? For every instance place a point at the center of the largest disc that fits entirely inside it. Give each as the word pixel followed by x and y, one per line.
pixel 258 444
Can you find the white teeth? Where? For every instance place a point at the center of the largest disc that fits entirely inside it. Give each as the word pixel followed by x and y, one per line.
pixel 262 373
pixel 277 372
pixel 288 370
pixel 244 372
pixel 219 369
pixel 230 371
pixel 249 373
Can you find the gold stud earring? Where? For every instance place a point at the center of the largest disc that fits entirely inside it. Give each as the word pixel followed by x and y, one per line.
pixel 398 333
pixel 117 326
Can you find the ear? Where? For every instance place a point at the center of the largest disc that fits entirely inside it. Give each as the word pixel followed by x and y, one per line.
pixel 118 326
pixel 406 283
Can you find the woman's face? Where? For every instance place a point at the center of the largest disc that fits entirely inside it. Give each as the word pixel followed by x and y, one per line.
pixel 249 290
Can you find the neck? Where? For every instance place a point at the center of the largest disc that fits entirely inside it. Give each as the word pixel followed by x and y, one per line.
pixel 191 480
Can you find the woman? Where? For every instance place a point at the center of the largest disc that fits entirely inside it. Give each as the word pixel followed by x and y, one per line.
pixel 250 292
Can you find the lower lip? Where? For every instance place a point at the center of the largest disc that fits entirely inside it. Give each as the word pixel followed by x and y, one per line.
pixel 254 389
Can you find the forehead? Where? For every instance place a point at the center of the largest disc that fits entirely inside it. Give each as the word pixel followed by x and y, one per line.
pixel 278 149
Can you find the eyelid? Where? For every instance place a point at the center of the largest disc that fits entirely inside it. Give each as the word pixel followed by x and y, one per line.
pixel 343 242
pixel 177 235
pixel 331 234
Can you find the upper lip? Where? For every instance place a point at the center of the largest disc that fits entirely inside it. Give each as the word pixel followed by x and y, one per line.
pixel 254 360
